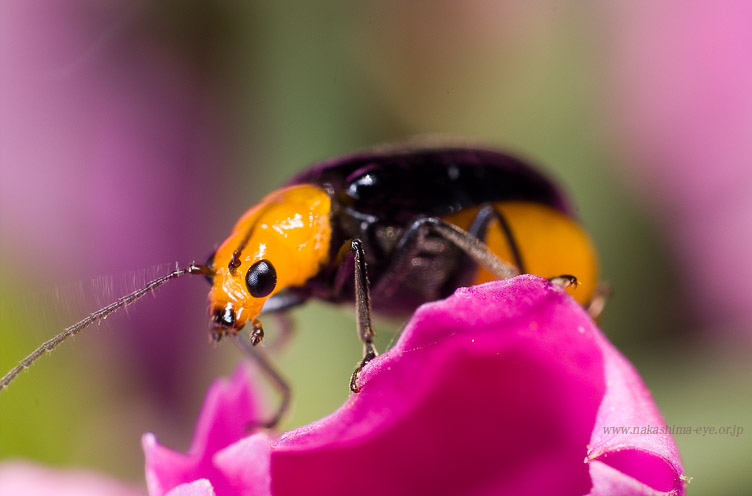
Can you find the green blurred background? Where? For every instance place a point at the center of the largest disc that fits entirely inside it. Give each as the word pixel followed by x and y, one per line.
pixel 268 88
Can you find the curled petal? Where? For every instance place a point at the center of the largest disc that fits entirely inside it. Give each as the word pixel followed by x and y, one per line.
pixel 650 458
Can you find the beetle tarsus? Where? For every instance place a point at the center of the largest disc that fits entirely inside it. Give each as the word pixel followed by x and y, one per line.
pixel 368 355
pixel 564 281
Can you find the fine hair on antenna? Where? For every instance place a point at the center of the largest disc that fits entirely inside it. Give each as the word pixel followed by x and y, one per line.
pixel 100 314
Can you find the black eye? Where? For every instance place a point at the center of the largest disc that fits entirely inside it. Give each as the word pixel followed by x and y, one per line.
pixel 261 279
pixel 210 264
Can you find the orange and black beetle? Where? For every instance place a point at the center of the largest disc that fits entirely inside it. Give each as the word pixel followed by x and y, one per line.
pixel 388 228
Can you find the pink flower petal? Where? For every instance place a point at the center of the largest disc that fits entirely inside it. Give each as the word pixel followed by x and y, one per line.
pixel 652 459
pixel 19 478
pixel 441 403
pixel 245 465
pixel 609 481
pixel 502 388
pixel 227 411
pixel 201 487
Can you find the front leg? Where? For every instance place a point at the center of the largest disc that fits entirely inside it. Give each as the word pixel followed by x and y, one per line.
pixel 277 306
pixel 363 311
pixel 258 356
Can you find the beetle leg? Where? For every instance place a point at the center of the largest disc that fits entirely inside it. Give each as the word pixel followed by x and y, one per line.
pixel 472 246
pixel 363 312
pixel 479 229
pixel 259 357
pixel 406 249
pixel 410 243
pixel 278 305
pixel 564 281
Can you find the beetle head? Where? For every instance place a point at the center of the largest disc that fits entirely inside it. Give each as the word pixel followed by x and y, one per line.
pixel 281 242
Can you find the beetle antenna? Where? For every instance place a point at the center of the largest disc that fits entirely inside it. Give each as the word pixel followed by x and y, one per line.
pixel 100 314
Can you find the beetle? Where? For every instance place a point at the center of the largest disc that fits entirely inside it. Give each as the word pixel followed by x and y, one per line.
pixel 389 228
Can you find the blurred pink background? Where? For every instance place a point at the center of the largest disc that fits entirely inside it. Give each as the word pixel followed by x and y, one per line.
pixel 133 134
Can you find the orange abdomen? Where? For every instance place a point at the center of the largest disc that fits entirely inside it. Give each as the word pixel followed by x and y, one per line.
pixel 549 244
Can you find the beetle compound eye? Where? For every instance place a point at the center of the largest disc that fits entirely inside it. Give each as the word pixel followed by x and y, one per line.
pixel 261 279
